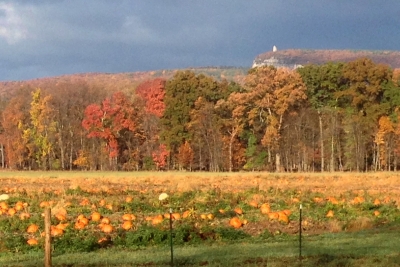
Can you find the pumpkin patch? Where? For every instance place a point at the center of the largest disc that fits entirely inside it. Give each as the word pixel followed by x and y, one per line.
pixel 123 216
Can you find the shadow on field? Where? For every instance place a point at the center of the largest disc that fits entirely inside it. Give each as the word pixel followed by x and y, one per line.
pixel 364 248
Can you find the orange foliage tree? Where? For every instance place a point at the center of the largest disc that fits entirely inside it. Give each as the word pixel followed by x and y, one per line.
pixel 272 94
pixel 185 155
pixel 16 114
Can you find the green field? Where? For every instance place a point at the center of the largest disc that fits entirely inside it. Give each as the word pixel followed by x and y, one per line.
pixel 365 248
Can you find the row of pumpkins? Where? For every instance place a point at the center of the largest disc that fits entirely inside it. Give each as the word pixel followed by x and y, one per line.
pixel 20 209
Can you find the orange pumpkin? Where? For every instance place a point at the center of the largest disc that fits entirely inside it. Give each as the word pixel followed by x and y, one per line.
pixel 79 225
pixel 24 216
pixel 253 204
pixel 186 214
pixel 44 204
pixel 105 220
pixel 282 217
pixel 157 220
pixel 235 222
pixel 287 212
pixel 358 200
pixel 56 231
pixel 32 242
pixel 128 199
pixel 62 226
pixel 128 217
pixel 238 211
pixel 265 208
pixel 96 216
pixel 318 199
pixel 377 202
pixel 3 205
pixel 127 225
pixel 102 202
pixel 107 228
pixel 84 220
pixel 333 200
pixel 176 216
pixel 32 228
pixel 273 215
pixel 19 206
pixel 80 217
pixel 386 200
pixel 85 202
pixel 61 217
pixel 11 212
pixel 330 214
pixel 295 200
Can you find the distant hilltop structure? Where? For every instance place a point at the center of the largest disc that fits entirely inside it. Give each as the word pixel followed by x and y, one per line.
pixel 295 58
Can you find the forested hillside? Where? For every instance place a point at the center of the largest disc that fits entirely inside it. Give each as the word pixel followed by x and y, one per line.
pixel 329 117
pixel 296 57
pixel 114 82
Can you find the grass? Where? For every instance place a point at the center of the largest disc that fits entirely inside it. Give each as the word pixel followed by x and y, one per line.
pixel 366 248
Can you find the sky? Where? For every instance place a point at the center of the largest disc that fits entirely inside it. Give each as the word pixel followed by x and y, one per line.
pixel 45 38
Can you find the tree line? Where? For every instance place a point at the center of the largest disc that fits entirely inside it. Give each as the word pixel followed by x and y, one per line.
pixel 330 117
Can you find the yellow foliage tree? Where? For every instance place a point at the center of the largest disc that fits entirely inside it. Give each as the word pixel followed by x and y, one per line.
pixel 385 128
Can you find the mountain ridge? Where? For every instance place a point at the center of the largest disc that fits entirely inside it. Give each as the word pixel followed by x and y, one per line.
pixel 293 58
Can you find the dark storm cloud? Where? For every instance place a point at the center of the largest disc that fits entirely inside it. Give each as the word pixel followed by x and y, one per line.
pixel 48 38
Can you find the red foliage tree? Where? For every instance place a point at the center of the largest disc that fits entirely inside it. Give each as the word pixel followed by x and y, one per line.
pixel 160 156
pixel 108 121
pixel 153 93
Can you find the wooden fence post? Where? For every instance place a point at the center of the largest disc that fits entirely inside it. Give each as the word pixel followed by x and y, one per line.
pixel 47 241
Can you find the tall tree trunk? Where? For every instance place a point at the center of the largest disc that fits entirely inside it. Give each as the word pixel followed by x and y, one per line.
pixel 2 156
pixel 305 160
pixel 388 157
pixel 278 162
pixel 269 155
pixel 332 167
pixel 231 140
pixel 70 156
pixel 376 158
pixel 61 146
pixel 230 155
pixel 321 140
pixel 200 159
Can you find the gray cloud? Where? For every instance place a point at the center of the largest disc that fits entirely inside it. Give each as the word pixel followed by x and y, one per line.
pixel 48 38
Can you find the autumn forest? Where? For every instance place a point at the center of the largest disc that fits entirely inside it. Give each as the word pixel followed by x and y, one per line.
pixel 329 117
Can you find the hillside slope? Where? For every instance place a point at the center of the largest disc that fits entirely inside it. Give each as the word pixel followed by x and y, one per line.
pixel 293 58
pixel 120 81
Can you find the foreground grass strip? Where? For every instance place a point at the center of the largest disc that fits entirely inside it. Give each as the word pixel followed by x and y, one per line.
pixel 367 248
